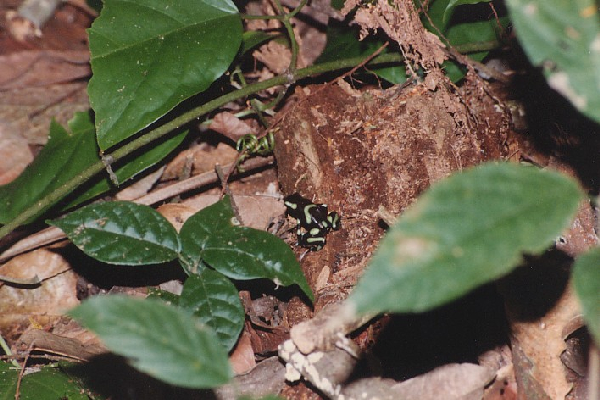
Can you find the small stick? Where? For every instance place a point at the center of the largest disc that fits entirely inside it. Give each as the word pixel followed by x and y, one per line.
pixel 53 234
pixel 22 372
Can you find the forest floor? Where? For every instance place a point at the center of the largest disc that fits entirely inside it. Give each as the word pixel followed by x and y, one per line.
pixel 410 134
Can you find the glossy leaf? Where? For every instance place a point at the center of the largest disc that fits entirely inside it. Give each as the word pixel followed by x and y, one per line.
pixel 63 158
pixel 467 230
pixel 47 384
pixel 167 297
pixel 213 236
pixel 563 37
pixel 586 279
pixel 148 56
pixel 160 340
pixel 214 300
pixel 121 232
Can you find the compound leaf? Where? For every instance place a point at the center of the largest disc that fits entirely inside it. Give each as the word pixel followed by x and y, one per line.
pixel 213 236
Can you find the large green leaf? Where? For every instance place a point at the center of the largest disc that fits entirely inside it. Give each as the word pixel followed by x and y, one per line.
pixel 213 236
pixel 160 340
pixel 121 232
pixel 63 158
pixel 47 384
pixel 586 279
pixel 564 38
pixel 148 56
pixel 214 300
pixel 465 231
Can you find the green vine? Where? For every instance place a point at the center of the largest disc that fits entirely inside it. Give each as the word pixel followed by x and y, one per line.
pixel 176 123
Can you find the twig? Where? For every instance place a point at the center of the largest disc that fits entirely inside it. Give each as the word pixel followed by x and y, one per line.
pixel 175 124
pixel 365 62
pixel 22 372
pixel 53 234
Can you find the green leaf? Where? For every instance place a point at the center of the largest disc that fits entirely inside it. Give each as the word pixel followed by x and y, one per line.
pixel 251 39
pixel 148 56
pixel 475 34
pixel 163 295
pixel 121 232
pixel 63 158
pixel 160 340
pixel 586 279
pixel 465 231
pixel 452 4
pixel 479 34
pixel 212 298
pixel 212 236
pixel 342 42
pixel 564 38
pixel 47 384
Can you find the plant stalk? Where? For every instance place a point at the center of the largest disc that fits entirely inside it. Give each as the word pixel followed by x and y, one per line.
pixel 286 79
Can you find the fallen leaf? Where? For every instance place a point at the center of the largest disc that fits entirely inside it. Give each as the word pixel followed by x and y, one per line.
pixel 242 359
pixel 453 381
pixel 231 126
pixel 35 68
pixel 15 155
pixel 56 293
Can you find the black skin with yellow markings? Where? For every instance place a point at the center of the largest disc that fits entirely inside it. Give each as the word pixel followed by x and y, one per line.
pixel 314 221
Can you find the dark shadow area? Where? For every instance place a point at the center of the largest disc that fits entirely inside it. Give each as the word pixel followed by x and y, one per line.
pixel 413 344
pixel 105 276
pixel 555 127
pixel 534 288
pixel 111 377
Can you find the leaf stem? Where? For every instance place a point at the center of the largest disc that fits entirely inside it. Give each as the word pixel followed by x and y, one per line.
pixel 285 79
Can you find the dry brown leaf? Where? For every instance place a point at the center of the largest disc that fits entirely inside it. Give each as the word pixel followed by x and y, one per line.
pixel 28 112
pixel 452 381
pixel 176 214
pixel 199 158
pixel 37 68
pixel 56 293
pixel 255 211
pixel 15 155
pixel 540 302
pixel 140 187
pixel 60 345
pixel 242 359
pixel 227 124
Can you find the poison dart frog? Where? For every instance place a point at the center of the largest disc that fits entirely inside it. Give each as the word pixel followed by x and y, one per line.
pixel 313 221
